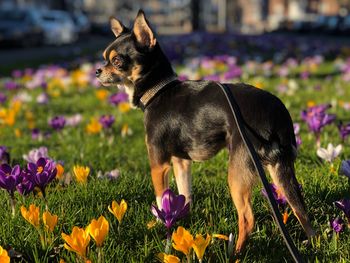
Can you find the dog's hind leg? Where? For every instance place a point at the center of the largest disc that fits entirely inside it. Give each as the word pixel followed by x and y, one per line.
pixel 283 176
pixel 240 181
pixel 160 167
pixel 182 172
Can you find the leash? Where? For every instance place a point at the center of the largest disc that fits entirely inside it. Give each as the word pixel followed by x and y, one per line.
pixel 236 112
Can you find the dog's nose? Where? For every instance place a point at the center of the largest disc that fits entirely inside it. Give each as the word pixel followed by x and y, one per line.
pixel 98 72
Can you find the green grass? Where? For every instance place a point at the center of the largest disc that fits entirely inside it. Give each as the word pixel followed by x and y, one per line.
pixel 212 211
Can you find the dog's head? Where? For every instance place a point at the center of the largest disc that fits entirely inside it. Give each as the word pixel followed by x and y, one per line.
pixel 131 56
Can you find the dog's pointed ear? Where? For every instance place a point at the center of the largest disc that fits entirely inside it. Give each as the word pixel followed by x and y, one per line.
pixel 143 32
pixel 116 26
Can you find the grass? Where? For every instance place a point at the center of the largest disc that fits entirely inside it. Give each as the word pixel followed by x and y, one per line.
pixel 212 211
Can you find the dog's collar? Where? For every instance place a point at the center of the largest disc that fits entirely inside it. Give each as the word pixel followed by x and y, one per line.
pixel 152 92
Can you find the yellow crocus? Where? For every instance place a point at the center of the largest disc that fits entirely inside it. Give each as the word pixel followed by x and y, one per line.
pixel 165 258
pixel 50 221
pixel 31 215
pixel 4 257
pixel 98 230
pixel 124 107
pixel 60 171
pixel 81 173
pixel 220 236
pixel 101 94
pixel 94 126
pixel 182 240
pixel 77 241
pixel 118 210
pixel 285 217
pixel 199 245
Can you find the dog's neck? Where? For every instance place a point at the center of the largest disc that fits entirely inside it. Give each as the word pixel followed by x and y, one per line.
pixel 157 73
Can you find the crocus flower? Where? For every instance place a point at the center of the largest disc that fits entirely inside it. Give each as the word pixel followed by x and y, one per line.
pixel 60 171
pixel 4 257
pixel 94 126
pixel 77 241
pixel 42 172
pixel 330 153
pixel 107 121
pixel 4 155
pixel 118 210
pixel 34 155
pixel 117 98
pixel 110 175
pixel 337 224
pixel 182 240
pixel 345 168
pixel 220 236
pixel 42 98
pixel 296 132
pixel 74 120
pixel 165 258
pixel 57 123
pixel 344 130
pixel 49 220
pixel 31 215
pixel 98 230
pixel 174 207
pixel 81 173
pixel 279 197
pixel 3 98
pixel 27 185
pixel 124 107
pixel 10 177
pixel 285 217
pixel 344 205
pixel 199 245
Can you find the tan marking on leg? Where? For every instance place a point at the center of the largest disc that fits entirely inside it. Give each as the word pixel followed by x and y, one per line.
pixel 241 181
pixel 182 172
pixel 159 172
pixel 160 180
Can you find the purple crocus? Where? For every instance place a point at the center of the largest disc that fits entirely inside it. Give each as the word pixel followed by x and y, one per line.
pixel 344 205
pixel 337 224
pixel 317 118
pixel 3 98
pixel 296 132
pixel 344 130
pixel 35 154
pixel 10 177
pixel 107 121
pixel 10 85
pixel 117 98
pixel 345 168
pixel 42 172
pixel 4 155
pixel 279 197
pixel 174 207
pixel 57 123
pixel 27 185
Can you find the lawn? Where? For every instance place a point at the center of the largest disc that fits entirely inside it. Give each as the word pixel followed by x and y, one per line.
pixel 302 73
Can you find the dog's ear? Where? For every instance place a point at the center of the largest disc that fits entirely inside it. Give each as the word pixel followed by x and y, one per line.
pixel 117 27
pixel 143 32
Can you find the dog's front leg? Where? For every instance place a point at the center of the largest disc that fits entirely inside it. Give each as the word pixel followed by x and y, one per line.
pixel 160 167
pixel 182 172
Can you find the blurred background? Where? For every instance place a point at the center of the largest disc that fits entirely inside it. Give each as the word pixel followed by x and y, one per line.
pixel 43 31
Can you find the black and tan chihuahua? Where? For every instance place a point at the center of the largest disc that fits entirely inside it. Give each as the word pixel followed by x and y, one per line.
pixel 189 121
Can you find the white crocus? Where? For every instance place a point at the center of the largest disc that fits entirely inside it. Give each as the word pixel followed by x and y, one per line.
pixel 330 153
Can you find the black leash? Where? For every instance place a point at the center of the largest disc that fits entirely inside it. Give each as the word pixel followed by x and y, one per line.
pixel 236 112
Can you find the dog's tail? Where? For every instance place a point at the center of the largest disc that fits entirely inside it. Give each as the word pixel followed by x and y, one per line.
pixel 283 175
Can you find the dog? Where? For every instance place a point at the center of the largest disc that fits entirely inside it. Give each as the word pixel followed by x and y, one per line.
pixel 188 121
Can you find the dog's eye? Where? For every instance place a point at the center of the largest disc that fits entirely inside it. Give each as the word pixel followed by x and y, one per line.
pixel 117 62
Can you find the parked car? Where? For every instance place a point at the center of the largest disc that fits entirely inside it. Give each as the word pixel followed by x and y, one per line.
pixel 81 22
pixel 20 27
pixel 58 27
